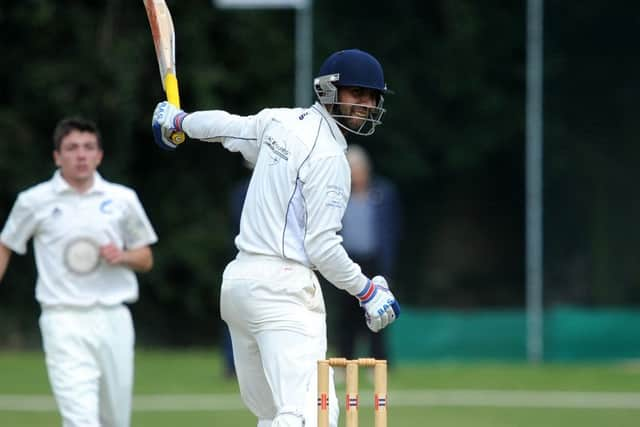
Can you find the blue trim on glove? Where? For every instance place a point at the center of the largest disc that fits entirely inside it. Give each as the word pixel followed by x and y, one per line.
pixel 396 308
pixel 159 139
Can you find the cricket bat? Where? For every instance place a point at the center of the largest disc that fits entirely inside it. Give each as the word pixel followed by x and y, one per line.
pixel 164 43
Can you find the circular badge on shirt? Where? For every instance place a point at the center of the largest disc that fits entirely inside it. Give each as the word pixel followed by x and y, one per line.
pixel 82 255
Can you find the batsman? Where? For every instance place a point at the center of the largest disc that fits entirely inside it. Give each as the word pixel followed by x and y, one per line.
pixel 270 296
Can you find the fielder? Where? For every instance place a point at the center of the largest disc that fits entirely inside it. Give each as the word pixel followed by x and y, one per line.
pixel 89 237
pixel 270 296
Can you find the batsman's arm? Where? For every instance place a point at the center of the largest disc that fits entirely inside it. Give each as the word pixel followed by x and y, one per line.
pixel 326 192
pixel 236 133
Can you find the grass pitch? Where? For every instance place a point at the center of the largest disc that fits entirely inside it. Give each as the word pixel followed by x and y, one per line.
pixel 187 388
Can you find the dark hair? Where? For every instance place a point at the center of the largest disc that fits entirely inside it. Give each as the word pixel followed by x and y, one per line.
pixel 69 124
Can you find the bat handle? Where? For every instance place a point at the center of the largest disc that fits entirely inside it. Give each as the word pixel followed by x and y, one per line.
pixel 171 89
pixel 178 137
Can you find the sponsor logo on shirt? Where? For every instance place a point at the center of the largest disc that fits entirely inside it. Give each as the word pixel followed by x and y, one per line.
pixel 278 151
pixel 336 198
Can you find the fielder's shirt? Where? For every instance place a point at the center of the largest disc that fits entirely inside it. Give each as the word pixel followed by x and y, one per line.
pixel 57 217
pixel 299 189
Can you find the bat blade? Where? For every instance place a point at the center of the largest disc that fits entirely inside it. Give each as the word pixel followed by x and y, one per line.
pixel 164 43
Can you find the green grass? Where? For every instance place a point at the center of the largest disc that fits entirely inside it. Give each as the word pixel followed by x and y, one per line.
pixel 516 376
pixel 198 372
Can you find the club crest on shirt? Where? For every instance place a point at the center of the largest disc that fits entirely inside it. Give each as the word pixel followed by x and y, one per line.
pixel 106 206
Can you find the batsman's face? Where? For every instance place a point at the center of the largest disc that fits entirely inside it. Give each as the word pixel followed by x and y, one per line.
pixel 354 104
pixel 78 158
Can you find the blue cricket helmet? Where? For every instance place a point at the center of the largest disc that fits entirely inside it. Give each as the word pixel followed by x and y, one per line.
pixel 351 67
pixel 355 68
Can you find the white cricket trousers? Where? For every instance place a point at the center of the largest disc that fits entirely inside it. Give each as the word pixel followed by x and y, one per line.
pixel 89 354
pixel 276 316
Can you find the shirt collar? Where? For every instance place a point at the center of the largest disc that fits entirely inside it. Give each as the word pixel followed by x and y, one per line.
pixel 333 126
pixel 60 185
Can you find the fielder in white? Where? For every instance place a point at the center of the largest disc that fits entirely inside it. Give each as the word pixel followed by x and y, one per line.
pixel 270 296
pixel 89 236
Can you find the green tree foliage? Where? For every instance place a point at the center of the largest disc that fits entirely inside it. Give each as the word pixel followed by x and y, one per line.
pixel 97 59
pixel 452 139
pixel 592 154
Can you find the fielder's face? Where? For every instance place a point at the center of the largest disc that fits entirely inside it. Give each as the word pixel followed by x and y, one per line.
pixel 78 157
pixel 355 103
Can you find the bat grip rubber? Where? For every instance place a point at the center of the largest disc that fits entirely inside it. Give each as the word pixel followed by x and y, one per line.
pixel 173 96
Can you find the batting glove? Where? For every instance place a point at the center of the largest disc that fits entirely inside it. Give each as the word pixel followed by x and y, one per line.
pixel 379 304
pixel 167 120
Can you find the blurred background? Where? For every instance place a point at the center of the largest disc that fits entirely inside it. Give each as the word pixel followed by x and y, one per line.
pixel 453 143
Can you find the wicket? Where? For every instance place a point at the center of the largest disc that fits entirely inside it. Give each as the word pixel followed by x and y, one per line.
pixel 351 390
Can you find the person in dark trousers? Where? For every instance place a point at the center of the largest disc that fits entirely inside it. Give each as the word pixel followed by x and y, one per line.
pixel 370 231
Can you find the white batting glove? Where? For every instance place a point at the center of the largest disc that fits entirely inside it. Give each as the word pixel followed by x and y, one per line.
pixel 379 304
pixel 167 120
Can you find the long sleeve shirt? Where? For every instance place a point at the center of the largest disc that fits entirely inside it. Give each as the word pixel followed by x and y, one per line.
pixel 299 188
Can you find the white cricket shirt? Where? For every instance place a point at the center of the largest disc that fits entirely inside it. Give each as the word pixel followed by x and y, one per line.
pixel 57 217
pixel 299 188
